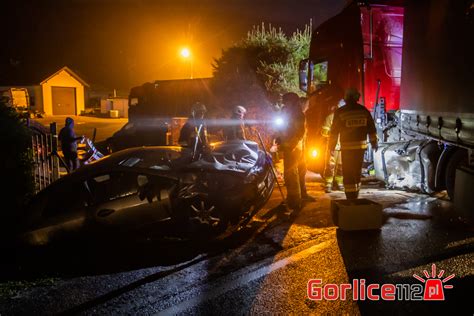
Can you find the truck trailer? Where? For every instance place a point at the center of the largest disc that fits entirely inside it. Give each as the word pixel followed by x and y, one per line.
pixel 413 63
pixel 168 98
pixel 158 110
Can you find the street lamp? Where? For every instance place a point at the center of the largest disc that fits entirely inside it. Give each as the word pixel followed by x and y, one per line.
pixel 186 54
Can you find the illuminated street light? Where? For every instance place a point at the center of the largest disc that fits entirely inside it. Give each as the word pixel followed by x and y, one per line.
pixel 185 52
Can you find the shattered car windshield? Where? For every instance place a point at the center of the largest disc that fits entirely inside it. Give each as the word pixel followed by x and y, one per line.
pixel 232 156
pixel 237 156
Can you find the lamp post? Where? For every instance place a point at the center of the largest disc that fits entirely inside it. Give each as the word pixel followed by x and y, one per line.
pixel 186 54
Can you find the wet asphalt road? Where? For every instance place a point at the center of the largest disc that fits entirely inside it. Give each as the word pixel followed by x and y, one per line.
pixel 264 268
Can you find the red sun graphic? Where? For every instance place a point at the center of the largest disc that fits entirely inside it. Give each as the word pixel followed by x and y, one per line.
pixel 434 285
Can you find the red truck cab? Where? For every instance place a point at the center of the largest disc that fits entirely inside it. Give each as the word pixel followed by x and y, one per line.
pixel 428 144
pixel 360 47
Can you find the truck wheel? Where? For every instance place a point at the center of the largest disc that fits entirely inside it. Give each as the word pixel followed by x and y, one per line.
pixel 459 158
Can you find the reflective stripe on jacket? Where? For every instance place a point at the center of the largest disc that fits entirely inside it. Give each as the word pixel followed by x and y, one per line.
pixel 326 129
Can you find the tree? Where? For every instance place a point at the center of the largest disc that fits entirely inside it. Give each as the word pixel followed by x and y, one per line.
pixel 16 165
pixel 261 67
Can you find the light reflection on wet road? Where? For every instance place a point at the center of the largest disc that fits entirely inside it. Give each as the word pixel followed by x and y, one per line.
pixel 265 267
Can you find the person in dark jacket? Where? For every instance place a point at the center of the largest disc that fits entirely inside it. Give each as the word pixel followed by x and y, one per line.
pixel 351 124
pixel 291 143
pixel 193 134
pixel 302 168
pixel 236 130
pixel 68 140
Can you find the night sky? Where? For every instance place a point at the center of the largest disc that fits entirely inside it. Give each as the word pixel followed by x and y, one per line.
pixel 124 43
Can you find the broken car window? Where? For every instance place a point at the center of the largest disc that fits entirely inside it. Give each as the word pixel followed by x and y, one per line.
pixel 118 184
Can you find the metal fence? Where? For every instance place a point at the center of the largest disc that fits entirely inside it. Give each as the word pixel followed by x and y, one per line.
pixel 45 155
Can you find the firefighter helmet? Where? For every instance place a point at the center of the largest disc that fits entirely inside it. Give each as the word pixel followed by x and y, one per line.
pixel 239 110
pixel 352 94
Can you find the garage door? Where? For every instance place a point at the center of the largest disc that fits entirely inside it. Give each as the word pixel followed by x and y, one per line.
pixel 64 100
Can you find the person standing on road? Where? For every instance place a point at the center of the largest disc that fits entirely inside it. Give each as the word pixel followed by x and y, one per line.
pixel 236 130
pixel 302 169
pixel 68 140
pixel 193 134
pixel 333 164
pixel 291 143
pixel 351 124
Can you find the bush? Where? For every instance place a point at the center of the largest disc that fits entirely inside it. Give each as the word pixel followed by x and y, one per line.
pixel 261 67
pixel 256 71
pixel 16 165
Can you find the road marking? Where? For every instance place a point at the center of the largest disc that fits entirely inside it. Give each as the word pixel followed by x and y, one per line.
pixel 239 279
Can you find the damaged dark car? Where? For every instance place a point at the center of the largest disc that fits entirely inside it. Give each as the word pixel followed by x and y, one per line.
pixel 142 189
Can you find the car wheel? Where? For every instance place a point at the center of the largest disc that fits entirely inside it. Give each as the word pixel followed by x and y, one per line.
pixel 198 215
pixel 204 216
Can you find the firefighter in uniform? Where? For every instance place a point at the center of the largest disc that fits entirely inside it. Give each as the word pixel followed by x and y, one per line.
pixel 193 134
pixel 351 124
pixel 291 143
pixel 333 166
pixel 236 131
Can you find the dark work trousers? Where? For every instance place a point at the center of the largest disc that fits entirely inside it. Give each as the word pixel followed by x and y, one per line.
pixel 71 160
pixel 302 175
pixel 351 171
pixel 291 161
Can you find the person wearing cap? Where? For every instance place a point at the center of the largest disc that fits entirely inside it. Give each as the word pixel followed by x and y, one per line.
pixel 351 125
pixel 291 144
pixel 236 130
pixel 195 129
pixel 333 165
pixel 68 139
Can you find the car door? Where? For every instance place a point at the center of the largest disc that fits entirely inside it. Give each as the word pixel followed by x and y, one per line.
pixel 125 201
pixel 60 211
